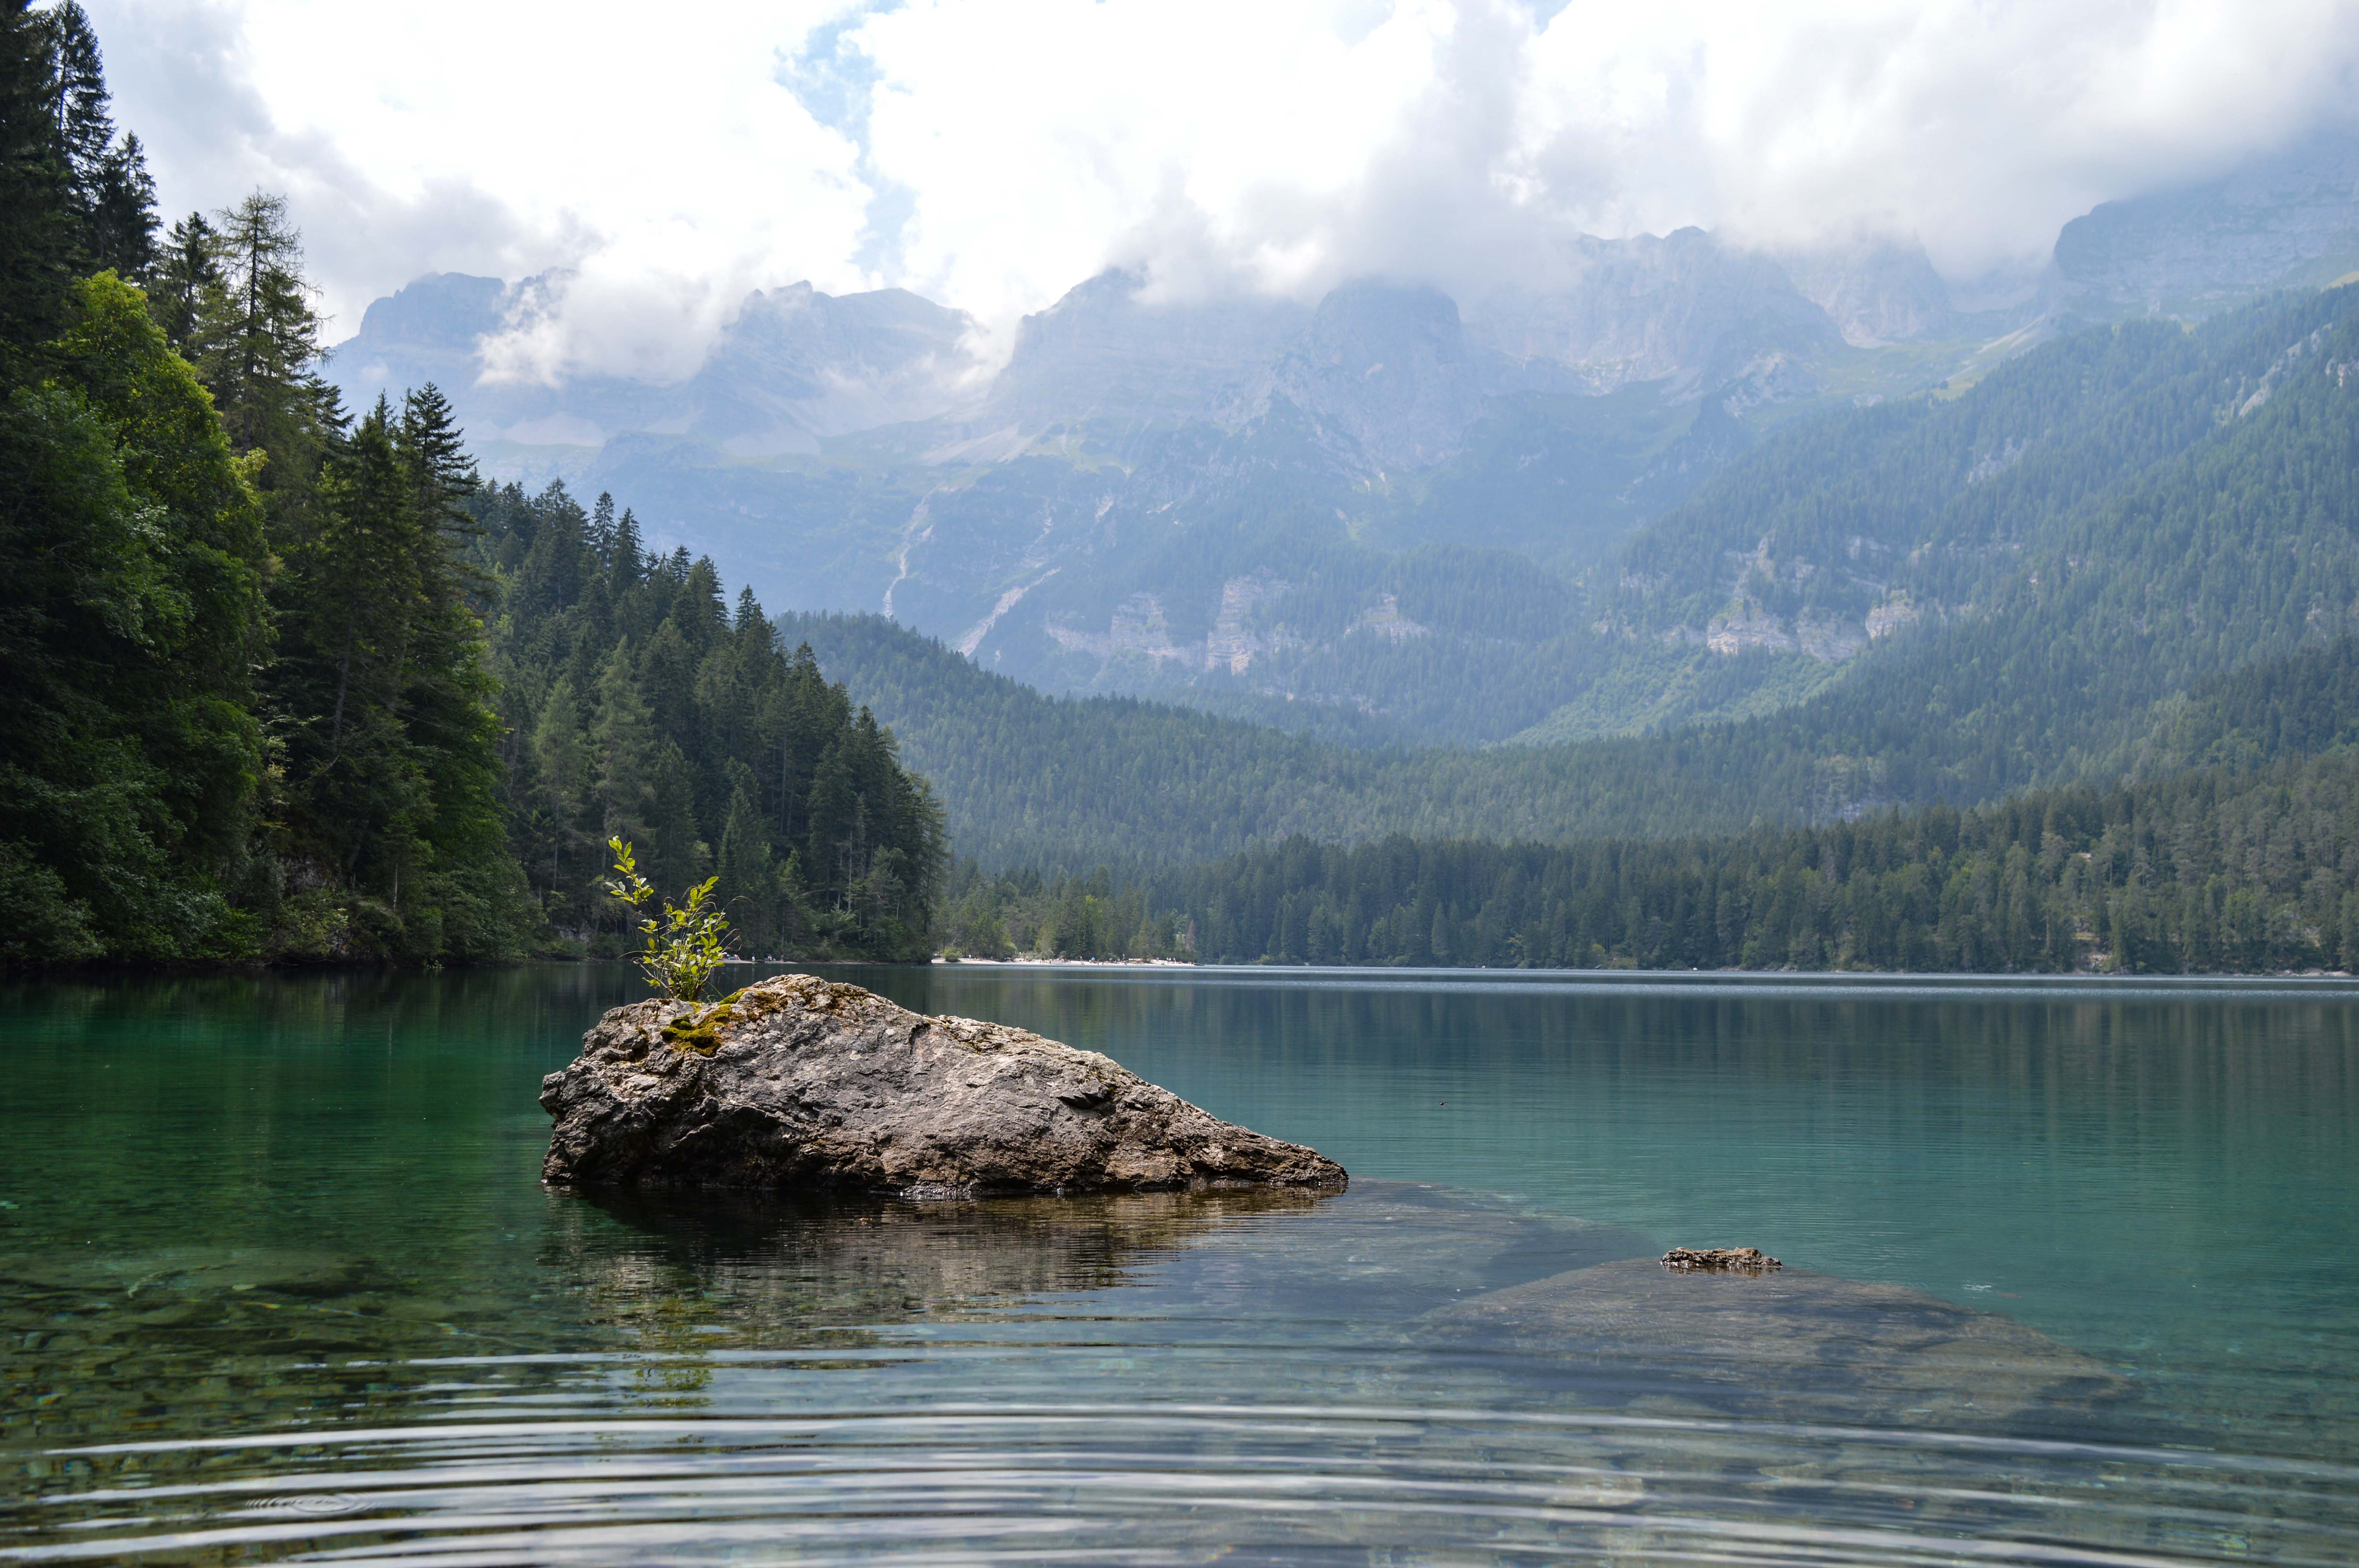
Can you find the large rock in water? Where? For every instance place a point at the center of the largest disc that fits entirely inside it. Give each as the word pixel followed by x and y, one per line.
pixel 804 1083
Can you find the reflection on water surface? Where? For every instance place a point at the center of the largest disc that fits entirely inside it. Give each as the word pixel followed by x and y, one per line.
pixel 278 1283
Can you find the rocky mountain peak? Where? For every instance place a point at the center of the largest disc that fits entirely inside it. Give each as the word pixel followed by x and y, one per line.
pixel 439 310
pixel 796 365
pixel 1106 352
pixel 791 366
pixel 1875 292
pixel 1388 367
pixel 1681 306
pixel 2288 219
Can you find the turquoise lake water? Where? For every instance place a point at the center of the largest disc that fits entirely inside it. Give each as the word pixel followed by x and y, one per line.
pixel 2072 1277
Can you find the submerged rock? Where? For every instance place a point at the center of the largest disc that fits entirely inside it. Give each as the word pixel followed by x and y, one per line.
pixel 1789 1341
pixel 1748 1260
pixel 802 1083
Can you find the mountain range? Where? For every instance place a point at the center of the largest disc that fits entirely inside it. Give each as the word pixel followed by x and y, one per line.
pixel 1386 516
pixel 1936 601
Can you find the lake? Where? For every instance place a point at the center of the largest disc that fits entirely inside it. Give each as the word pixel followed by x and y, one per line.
pixel 2072 1278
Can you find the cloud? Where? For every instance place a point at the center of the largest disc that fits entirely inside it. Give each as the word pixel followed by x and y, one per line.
pixel 1461 141
pixel 663 164
pixel 991 155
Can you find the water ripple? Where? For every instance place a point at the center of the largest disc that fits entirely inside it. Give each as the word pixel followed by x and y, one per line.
pixel 1182 1483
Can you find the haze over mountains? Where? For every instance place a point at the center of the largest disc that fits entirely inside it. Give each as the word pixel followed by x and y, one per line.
pixel 1381 515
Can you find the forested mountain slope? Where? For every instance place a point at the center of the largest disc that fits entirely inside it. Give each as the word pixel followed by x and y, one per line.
pixel 2236 848
pixel 1073 782
pixel 2242 854
pixel 2217 870
pixel 2116 518
pixel 1780 578
pixel 1826 558
pixel 1826 542
pixel 2047 630
pixel 637 703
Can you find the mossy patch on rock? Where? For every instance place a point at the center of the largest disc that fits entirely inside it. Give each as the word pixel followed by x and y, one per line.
pixel 700 1031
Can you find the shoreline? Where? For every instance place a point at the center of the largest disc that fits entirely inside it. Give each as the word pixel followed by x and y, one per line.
pixel 1073 963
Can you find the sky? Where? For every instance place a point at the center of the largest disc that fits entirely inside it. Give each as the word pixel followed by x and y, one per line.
pixel 991 155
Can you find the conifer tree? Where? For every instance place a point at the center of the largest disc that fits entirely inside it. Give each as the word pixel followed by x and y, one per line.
pixel 258 339
pixel 624 746
pixel 78 95
pixel 628 560
pixel 108 188
pixel 601 527
pixel 748 888
pixel 442 474
pixel 186 269
pixel 344 608
pixel 40 235
pixel 446 688
pixel 122 212
pixel 566 768
pixel 832 839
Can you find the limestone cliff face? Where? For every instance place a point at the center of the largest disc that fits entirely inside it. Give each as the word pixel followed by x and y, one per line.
pixel 1874 293
pixel 1141 627
pixel 2289 218
pixel 1109 351
pixel 1746 625
pixel 804 1084
pixel 1681 309
pixel 1387 370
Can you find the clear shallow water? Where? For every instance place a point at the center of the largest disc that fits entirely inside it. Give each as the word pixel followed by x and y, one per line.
pixel 2072 1279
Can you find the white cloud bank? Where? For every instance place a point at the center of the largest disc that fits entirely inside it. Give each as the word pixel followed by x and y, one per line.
pixel 991 155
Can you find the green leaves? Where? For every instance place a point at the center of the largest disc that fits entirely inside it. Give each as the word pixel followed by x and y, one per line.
pixel 683 948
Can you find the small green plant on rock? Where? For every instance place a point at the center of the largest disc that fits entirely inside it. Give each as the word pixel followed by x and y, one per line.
pixel 683 948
